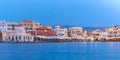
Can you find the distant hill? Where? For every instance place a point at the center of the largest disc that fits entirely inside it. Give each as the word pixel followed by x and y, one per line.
pixel 84 28
pixel 93 28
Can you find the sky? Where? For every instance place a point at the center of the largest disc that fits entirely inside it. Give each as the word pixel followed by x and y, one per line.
pixel 93 13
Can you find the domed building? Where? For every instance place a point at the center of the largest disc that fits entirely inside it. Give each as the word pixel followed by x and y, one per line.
pixel 19 35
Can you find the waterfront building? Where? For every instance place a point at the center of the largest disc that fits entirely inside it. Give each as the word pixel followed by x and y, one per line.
pixel 2 36
pixel 19 35
pixel 32 32
pixel 100 33
pixel 29 25
pixel 85 33
pixel 76 31
pixel 3 30
pixel 117 30
pixel 3 26
pixel 61 31
pixel 37 24
pixel 105 29
pixel 103 34
pixel 12 25
pixel 112 32
pixel 68 32
pixel 96 32
pixel 45 31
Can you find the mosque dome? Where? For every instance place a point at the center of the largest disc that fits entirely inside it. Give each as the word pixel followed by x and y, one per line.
pixel 20 30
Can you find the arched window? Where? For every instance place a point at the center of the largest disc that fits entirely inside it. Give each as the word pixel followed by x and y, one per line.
pixel 9 38
pixel 12 38
pixel 20 37
pixel 24 37
pixel 16 38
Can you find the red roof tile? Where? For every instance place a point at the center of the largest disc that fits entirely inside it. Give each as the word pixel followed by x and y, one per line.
pixel 30 21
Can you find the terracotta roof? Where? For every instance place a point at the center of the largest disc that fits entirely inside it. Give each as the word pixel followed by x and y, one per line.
pixel 30 21
pixel 44 27
pixel 46 33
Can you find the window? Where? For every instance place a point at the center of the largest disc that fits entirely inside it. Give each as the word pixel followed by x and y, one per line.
pixel 9 38
pixel 16 38
pixel 20 37
pixel 12 38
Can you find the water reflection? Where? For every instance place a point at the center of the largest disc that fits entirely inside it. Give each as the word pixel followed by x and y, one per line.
pixel 84 44
pixel 61 51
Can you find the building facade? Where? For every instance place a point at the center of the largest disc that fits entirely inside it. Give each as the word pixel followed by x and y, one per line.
pixel 12 25
pixel 112 32
pixel 19 35
pixel 76 31
pixel 100 33
pixel 3 26
pixel 2 36
pixel 29 25
pixel 3 30
pixel 61 31
pixel 45 31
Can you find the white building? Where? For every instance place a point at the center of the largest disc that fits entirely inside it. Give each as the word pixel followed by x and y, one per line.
pixel 3 26
pixel 104 34
pixel 100 33
pixel 19 35
pixel 12 25
pixel 3 30
pixel 118 32
pixel 76 31
pixel 61 31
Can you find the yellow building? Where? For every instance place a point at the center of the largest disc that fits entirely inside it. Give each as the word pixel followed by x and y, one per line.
pixel 2 35
pixel 29 25
pixel 112 32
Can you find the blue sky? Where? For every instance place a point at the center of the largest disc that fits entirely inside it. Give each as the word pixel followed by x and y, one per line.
pixel 94 13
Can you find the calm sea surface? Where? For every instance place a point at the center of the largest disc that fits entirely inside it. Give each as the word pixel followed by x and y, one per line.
pixel 60 51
